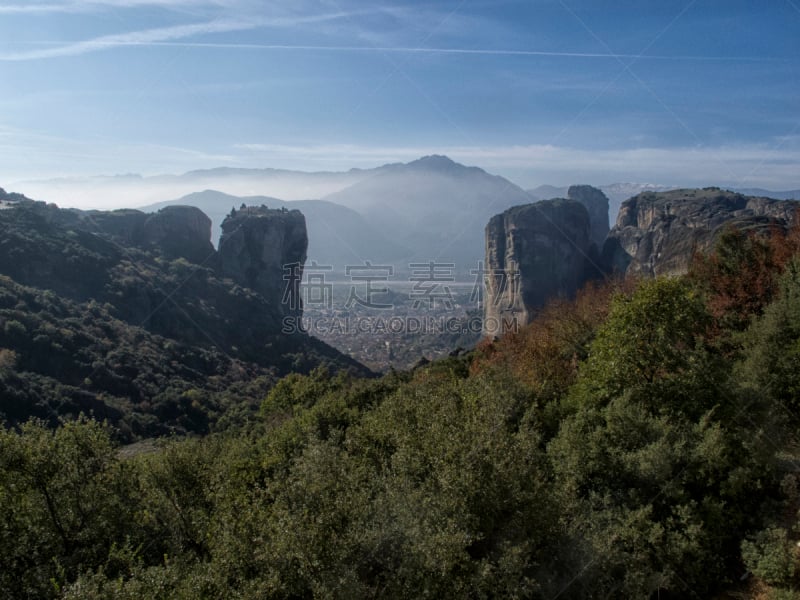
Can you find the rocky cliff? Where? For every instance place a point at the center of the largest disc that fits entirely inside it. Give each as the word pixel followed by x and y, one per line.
pixel 541 251
pixel 180 232
pixel 173 231
pixel 257 248
pixel 126 258
pixel 596 204
pixel 657 233
pixel 534 252
pixel 265 249
pixel 135 318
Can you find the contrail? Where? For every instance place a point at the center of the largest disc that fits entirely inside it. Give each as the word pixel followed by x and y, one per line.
pixel 466 51
pixel 110 42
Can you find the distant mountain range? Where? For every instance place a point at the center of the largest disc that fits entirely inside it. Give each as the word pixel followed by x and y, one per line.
pixel 133 190
pixel 430 209
pixel 433 206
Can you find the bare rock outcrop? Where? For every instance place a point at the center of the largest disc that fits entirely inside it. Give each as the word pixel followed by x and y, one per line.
pixel 534 252
pixel 180 232
pixel 596 203
pixel 173 231
pixel 658 233
pixel 264 250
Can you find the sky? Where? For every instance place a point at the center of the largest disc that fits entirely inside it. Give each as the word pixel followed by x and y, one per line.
pixel 671 92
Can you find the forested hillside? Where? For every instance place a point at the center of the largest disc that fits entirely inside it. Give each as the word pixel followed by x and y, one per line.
pixel 129 317
pixel 636 442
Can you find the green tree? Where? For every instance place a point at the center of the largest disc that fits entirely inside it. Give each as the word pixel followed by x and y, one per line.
pixel 659 501
pixel 656 464
pixel 653 345
pixel 462 506
pixel 771 362
pixel 770 555
pixel 8 361
pixel 64 497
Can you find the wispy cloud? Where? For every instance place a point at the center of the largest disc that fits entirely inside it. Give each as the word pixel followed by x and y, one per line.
pixel 35 8
pixel 163 35
pixel 77 6
pixel 148 36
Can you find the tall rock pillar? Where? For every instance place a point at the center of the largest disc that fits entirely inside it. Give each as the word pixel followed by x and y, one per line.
pixel 534 252
pixel 265 250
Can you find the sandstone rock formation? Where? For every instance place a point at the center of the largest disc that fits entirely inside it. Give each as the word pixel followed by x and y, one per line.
pixel 658 233
pixel 91 255
pixel 541 251
pixel 534 252
pixel 264 250
pixel 596 204
pixel 180 232
pixel 104 318
pixel 173 231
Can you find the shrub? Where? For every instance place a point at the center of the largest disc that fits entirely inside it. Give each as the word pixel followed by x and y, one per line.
pixel 770 556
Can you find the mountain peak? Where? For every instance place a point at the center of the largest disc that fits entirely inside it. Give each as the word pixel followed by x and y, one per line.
pixel 436 162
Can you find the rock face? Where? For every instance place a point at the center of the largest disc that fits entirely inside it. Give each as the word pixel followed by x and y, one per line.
pixel 534 252
pixel 541 251
pixel 180 232
pixel 257 248
pixel 658 233
pixel 174 231
pixel 596 204
pixel 101 318
pixel 264 250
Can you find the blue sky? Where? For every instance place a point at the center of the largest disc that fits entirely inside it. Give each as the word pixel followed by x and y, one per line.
pixel 674 92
